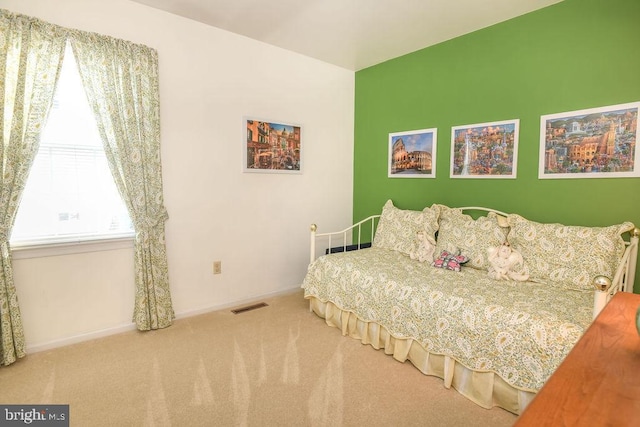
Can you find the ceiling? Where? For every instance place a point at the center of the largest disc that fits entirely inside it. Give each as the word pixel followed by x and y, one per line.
pixel 352 34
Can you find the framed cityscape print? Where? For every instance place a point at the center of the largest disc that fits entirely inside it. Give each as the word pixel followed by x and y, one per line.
pixel 592 143
pixel 485 150
pixel 412 154
pixel 271 147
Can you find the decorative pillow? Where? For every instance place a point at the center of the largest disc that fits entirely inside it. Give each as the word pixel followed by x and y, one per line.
pixel 398 229
pixel 472 237
pixel 505 263
pixel 450 261
pixel 570 256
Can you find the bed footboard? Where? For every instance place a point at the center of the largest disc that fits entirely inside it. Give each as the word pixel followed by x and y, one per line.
pixel 622 280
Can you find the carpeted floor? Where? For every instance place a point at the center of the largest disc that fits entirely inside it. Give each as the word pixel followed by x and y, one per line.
pixel 275 366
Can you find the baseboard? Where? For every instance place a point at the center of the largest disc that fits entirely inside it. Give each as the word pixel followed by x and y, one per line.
pixel 235 303
pixel 35 348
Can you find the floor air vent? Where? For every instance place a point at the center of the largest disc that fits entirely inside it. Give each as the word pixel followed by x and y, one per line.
pixel 249 308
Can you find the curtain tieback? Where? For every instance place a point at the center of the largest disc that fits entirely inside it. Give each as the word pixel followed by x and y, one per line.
pixel 146 226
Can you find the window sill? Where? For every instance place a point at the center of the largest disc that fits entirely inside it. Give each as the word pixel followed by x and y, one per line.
pixel 26 250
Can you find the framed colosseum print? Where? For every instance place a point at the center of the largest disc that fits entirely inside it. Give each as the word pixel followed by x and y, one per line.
pixel 485 150
pixel 412 154
pixel 593 143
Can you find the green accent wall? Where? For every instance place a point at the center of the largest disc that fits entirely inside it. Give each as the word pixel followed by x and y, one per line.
pixel 574 55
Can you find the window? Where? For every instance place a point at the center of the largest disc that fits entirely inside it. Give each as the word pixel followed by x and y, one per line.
pixel 70 194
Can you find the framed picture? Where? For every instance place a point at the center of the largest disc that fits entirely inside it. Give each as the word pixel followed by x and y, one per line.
pixel 485 150
pixel 412 154
pixel 592 143
pixel 271 147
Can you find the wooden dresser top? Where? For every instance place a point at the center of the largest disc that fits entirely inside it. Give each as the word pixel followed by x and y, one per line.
pixel 598 384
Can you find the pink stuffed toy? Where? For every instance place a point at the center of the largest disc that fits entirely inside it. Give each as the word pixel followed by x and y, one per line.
pixel 450 261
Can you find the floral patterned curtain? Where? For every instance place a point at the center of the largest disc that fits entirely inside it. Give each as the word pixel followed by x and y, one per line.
pixel 31 54
pixel 121 82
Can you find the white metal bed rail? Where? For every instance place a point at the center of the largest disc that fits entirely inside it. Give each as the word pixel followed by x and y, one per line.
pixel 623 278
pixel 626 276
pixel 344 233
pixel 478 208
pixel 347 235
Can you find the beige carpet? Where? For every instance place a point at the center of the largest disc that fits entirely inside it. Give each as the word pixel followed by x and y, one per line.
pixel 275 366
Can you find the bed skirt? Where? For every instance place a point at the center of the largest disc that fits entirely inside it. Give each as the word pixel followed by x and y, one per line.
pixel 486 389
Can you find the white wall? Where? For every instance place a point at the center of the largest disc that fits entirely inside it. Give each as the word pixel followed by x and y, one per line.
pixel 256 224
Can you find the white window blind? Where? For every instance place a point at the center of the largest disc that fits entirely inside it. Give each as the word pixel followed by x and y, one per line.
pixel 70 194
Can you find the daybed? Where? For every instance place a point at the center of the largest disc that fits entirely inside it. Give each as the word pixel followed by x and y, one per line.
pixel 494 336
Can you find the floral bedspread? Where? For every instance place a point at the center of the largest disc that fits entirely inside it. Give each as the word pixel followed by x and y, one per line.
pixel 519 330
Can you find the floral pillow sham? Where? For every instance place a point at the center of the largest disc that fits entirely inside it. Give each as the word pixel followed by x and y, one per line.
pixel 400 230
pixel 569 255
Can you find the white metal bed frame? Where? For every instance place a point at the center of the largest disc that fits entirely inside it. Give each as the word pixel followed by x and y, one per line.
pixel 605 287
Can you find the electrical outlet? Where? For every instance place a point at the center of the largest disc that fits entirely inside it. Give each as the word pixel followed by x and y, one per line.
pixel 217 267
